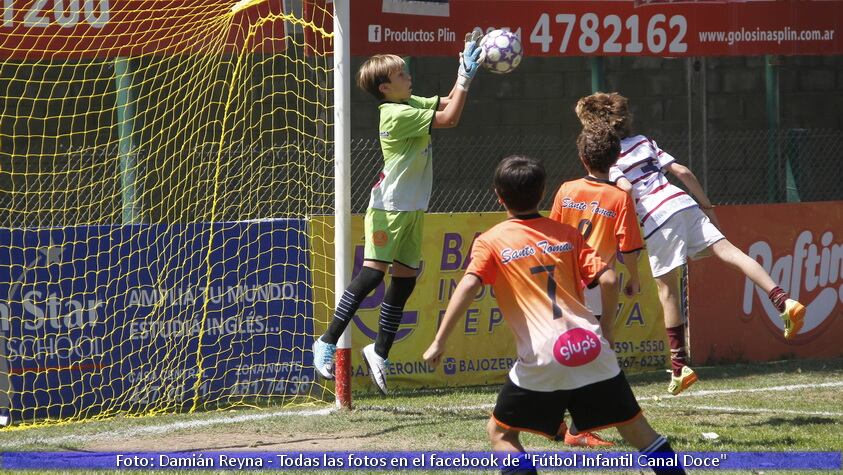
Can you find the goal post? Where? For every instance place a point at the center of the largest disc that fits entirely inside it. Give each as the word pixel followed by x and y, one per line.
pixel 342 190
pixel 160 171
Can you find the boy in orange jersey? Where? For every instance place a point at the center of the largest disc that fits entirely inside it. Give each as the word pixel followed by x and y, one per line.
pixel 605 216
pixel 602 212
pixel 536 266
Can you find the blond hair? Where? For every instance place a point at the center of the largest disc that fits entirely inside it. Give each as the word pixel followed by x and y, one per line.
pixel 610 109
pixel 376 70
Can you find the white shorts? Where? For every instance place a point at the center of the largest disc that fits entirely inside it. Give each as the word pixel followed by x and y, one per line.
pixel 594 300
pixel 686 234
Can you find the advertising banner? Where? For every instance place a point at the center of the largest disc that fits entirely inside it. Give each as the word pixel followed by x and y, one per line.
pixel 105 318
pixel 800 245
pixel 605 28
pixel 481 350
pixel 42 29
pixel 39 29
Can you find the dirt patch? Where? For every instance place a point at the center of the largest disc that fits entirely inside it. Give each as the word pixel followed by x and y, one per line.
pixel 237 441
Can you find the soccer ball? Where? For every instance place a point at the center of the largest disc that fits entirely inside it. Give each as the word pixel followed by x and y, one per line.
pixel 500 51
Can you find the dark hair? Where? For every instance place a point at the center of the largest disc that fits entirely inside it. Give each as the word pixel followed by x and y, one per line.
pixel 598 147
pixel 519 181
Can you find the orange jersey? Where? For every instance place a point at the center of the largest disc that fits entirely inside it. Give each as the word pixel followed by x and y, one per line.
pixel 537 266
pixel 602 212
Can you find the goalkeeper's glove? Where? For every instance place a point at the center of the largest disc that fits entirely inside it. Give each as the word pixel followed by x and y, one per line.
pixel 469 59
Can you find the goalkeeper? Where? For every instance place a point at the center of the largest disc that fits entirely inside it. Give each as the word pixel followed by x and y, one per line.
pixel 395 217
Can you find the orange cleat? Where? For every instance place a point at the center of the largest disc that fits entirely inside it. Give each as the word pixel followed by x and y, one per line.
pixel 682 382
pixel 793 317
pixel 586 439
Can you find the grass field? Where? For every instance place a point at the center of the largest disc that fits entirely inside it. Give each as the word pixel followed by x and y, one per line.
pixel 778 406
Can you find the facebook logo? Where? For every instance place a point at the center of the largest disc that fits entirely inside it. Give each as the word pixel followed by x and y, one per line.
pixel 375 33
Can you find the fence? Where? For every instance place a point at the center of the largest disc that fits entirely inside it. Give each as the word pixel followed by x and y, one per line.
pixel 735 167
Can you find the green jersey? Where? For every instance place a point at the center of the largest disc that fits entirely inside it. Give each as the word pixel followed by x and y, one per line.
pixel 407 177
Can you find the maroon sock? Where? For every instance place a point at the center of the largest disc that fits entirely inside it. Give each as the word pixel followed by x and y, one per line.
pixel 676 337
pixel 778 297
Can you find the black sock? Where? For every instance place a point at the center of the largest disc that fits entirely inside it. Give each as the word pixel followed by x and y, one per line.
pixel 664 457
pixel 357 290
pixel 392 309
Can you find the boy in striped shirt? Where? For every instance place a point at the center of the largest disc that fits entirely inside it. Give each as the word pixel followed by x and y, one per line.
pixel 676 226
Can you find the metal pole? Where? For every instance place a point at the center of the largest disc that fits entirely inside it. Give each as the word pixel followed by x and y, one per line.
pixel 689 80
pixel 794 144
pixel 342 190
pixel 704 107
pixel 126 146
pixel 598 77
pixel 772 82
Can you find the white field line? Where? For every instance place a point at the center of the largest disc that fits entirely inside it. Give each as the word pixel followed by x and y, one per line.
pixel 164 428
pixel 715 392
pixel 647 399
pixel 746 410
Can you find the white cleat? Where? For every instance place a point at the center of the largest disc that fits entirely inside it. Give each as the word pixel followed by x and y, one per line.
pixel 377 367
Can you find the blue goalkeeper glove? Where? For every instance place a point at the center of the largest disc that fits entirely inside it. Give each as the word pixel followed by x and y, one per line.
pixel 469 59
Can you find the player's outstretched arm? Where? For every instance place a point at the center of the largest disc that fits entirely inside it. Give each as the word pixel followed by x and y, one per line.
pixel 633 285
pixel 687 177
pixel 616 175
pixel 444 101
pixel 624 184
pixel 450 108
pixel 463 296
pixel 449 116
pixel 609 298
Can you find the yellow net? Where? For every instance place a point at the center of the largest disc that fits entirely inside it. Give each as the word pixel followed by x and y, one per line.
pixel 159 165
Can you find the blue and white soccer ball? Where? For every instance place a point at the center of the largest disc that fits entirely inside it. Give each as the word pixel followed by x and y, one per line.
pixel 500 51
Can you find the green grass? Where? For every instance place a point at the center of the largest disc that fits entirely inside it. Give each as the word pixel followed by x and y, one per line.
pixel 809 418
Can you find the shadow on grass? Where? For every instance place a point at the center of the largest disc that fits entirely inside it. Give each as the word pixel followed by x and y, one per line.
pixel 737 370
pixel 727 371
pixel 372 396
pixel 414 424
pixel 794 421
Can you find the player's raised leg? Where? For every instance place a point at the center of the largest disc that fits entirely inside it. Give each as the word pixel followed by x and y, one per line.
pixel 407 227
pixel 669 296
pixel 324 347
pixel 791 312
pixel 392 310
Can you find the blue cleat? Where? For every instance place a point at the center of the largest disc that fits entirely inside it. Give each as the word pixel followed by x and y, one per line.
pixel 323 358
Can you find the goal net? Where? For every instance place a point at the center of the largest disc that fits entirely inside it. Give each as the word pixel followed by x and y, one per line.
pixel 159 166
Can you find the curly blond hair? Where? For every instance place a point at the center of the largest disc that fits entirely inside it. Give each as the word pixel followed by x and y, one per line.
pixel 610 109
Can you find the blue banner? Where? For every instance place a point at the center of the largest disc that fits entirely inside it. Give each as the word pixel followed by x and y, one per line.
pixel 335 461
pixel 103 319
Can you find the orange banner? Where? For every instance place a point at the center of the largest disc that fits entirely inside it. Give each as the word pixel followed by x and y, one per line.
pixel 801 246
